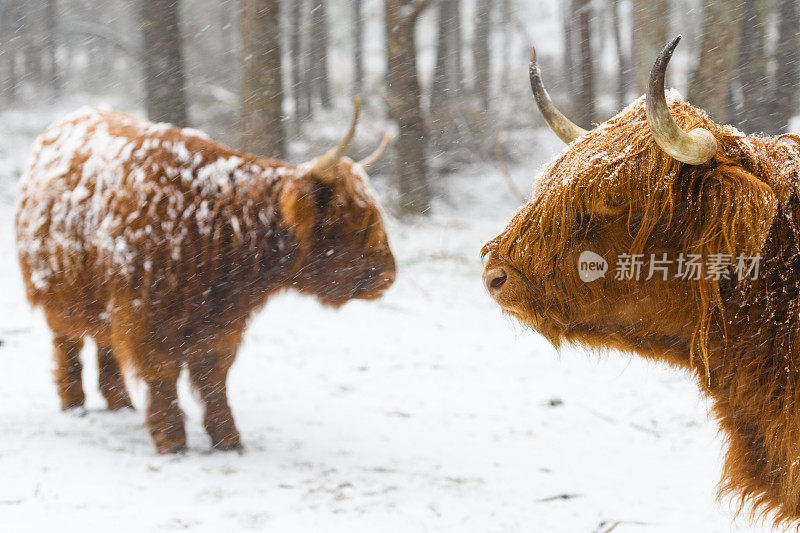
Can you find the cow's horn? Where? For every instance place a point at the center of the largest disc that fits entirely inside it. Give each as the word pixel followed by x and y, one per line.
pixel 693 148
pixel 561 125
pixel 375 156
pixel 324 165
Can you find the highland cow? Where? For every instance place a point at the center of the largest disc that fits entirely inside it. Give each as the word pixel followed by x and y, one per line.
pixel 662 182
pixel 159 244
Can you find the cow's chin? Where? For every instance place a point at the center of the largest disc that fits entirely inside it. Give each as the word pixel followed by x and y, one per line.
pixel 560 331
pixel 544 323
pixel 649 343
pixel 335 301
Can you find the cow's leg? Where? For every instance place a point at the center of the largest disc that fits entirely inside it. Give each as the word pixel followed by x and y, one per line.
pixel 67 373
pixel 164 416
pixel 209 374
pixel 110 380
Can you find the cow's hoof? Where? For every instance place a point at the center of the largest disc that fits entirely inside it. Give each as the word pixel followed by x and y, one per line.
pixel 119 406
pixel 76 410
pixel 171 449
pixel 72 404
pixel 233 446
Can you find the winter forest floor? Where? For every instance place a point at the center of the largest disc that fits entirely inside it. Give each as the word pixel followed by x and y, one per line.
pixel 424 411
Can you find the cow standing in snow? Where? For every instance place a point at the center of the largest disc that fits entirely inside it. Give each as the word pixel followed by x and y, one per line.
pixel 159 244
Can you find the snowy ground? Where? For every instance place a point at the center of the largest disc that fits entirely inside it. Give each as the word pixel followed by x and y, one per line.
pixel 425 411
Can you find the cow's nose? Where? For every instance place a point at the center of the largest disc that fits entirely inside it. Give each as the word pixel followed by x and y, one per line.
pixel 494 279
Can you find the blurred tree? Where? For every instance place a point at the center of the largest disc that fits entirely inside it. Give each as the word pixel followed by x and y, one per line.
pixel 403 97
pixel 226 17
pixel 306 87
pixel 443 72
pixel 481 55
pixel 320 81
pixel 358 48
pixel 263 131
pixel 444 112
pixel 623 60
pixel 300 87
pixel 710 83
pixel 458 50
pixel 787 55
pixel 567 26
pixel 586 108
pixel 33 39
pixel 449 71
pixel 753 113
pixel 11 24
pixel 650 18
pixel 163 61
pixel 505 22
pixel 50 45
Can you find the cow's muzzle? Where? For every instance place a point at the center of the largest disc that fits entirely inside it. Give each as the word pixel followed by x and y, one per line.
pixel 507 286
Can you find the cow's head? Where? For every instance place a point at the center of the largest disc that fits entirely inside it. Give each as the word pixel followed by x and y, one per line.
pixel 338 223
pixel 658 178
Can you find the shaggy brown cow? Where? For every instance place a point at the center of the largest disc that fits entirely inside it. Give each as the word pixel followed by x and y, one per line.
pixel 159 244
pixel 640 186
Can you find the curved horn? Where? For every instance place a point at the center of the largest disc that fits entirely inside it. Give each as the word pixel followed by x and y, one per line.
pixel 561 125
pixel 375 156
pixel 693 148
pixel 323 166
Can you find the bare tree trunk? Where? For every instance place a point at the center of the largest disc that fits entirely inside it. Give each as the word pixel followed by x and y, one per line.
pixel 306 90
pixel 263 131
pixel 505 23
pixel 709 87
pixel 302 109
pixel 33 38
pixel 753 115
pixel 163 61
pixel 404 103
pixel 480 51
pixel 228 40
pixel 448 79
pixel 457 79
pixel 650 19
pixel 442 73
pixel 586 108
pixel 623 61
pixel 358 48
pixel 787 75
pixel 34 69
pixel 10 22
pixel 11 70
pixel 568 27
pixel 51 44
pixel 319 52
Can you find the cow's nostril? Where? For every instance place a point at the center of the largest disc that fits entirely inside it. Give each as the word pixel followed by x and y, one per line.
pixel 495 278
pixel 499 281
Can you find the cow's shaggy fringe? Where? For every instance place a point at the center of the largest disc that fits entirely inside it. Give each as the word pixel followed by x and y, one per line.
pixel 745 332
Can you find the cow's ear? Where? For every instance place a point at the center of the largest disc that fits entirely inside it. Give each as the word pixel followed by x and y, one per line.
pixel 735 213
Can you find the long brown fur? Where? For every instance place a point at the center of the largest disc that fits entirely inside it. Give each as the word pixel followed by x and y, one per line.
pixel 160 244
pixel 614 191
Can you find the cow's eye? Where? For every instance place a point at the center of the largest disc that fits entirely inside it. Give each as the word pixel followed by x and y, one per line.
pixel 324 195
pixel 610 205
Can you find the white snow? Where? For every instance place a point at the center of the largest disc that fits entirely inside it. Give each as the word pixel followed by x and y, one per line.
pixel 424 411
